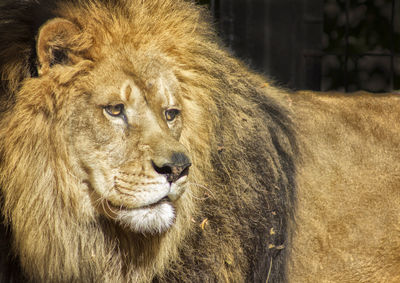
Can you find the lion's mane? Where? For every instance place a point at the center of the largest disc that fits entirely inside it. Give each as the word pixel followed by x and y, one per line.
pixel 235 225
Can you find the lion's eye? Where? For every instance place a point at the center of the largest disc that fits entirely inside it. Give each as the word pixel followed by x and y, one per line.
pixel 115 110
pixel 171 114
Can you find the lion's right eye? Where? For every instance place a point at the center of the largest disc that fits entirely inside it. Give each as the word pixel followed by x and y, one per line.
pixel 115 110
pixel 170 114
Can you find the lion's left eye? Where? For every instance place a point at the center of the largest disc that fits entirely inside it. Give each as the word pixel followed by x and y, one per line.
pixel 115 110
pixel 171 114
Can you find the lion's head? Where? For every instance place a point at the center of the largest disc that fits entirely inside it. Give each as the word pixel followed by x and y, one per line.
pixel 119 122
pixel 123 136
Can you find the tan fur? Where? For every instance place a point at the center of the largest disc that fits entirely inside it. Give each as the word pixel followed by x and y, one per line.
pixel 348 214
pixel 251 145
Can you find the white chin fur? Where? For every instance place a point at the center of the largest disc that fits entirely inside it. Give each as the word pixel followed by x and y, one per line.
pixel 152 220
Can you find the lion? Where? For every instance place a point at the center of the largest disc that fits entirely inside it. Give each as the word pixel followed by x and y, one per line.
pixel 135 148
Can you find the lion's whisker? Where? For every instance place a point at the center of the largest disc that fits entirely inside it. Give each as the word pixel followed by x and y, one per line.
pixel 203 187
pixel 198 198
pixel 105 210
pixel 110 208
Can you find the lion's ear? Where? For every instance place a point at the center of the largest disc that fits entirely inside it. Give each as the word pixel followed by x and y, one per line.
pixel 55 44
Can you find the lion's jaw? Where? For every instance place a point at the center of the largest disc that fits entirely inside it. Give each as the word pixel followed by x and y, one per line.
pixel 127 158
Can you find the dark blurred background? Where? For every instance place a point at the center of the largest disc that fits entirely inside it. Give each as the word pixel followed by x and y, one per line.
pixel 344 45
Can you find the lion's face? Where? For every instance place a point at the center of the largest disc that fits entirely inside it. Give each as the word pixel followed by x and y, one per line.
pixel 124 136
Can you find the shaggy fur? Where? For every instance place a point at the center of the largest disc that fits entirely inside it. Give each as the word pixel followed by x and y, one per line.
pixel 230 225
pixel 236 221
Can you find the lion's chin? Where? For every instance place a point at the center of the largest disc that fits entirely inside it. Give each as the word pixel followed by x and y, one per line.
pixel 148 220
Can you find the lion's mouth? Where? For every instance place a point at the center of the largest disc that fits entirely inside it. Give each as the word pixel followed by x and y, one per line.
pixel 161 201
pixel 116 208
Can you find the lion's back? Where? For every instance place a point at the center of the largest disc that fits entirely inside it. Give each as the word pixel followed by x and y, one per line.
pixel 348 211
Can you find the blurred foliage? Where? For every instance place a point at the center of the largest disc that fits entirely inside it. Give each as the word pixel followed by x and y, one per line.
pixel 359 40
pixel 203 2
pixel 366 27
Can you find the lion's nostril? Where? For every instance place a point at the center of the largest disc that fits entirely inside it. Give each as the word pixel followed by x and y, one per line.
pixel 165 169
pixel 173 171
pixel 185 171
pixel 179 172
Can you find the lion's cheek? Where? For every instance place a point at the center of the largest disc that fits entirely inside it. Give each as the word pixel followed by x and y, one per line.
pixel 101 180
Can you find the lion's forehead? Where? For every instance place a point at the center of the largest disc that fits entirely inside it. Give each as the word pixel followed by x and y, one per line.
pixel 136 83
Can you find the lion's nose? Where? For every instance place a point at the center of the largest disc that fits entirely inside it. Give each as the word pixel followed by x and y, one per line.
pixel 176 168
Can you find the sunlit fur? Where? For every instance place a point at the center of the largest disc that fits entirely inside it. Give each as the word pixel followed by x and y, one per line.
pixel 62 225
pixel 252 146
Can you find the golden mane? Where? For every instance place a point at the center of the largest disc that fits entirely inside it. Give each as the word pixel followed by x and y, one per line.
pixel 241 186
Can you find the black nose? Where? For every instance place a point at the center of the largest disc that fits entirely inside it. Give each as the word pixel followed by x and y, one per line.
pixel 176 168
